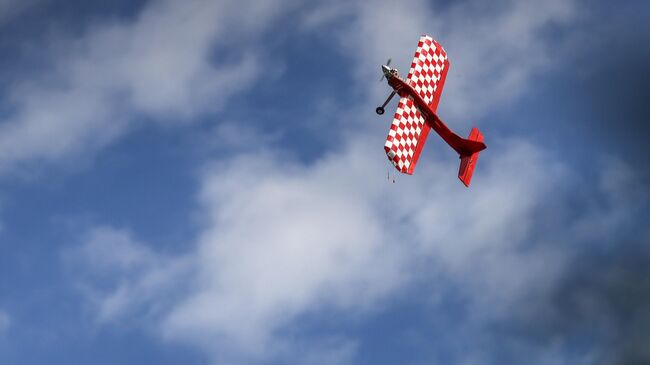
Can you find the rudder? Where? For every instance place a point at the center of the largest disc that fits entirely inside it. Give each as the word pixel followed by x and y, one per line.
pixel 468 162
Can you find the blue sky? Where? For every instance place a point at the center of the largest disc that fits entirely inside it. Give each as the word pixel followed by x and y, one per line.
pixel 204 182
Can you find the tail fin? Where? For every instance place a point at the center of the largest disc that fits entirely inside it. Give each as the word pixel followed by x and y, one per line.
pixel 473 145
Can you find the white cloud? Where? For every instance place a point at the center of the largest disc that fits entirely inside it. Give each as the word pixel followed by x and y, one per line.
pixel 496 58
pixel 115 259
pixel 162 66
pixel 495 49
pixel 283 240
pixel 280 244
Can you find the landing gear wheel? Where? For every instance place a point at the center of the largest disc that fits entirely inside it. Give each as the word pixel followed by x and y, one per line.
pixel 379 110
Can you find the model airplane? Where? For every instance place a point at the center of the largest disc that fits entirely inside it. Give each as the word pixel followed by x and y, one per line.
pixel 416 112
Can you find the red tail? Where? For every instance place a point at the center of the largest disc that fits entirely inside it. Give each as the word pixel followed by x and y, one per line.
pixel 473 145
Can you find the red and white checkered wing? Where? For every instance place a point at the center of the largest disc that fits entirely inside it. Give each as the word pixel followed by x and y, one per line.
pixel 409 132
pixel 428 70
pixel 404 136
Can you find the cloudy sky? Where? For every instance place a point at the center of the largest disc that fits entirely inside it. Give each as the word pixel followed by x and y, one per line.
pixel 204 182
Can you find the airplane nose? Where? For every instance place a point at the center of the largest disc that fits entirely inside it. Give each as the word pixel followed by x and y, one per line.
pixel 385 68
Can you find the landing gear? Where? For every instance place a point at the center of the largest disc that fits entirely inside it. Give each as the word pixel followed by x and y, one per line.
pixel 380 109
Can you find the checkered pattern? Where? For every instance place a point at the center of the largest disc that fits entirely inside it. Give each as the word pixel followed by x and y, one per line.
pixel 404 134
pixel 408 128
pixel 427 68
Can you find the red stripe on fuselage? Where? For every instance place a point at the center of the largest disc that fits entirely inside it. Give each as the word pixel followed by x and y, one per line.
pixel 429 114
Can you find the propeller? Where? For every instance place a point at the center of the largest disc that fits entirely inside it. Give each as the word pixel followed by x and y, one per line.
pixel 387 64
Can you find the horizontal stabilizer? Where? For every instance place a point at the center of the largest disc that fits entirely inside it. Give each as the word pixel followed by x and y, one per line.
pixel 474 145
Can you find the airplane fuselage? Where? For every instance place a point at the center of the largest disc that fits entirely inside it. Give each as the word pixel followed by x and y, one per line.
pixel 402 88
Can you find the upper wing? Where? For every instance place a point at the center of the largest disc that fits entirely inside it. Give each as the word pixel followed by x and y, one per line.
pixel 429 70
pixel 409 131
